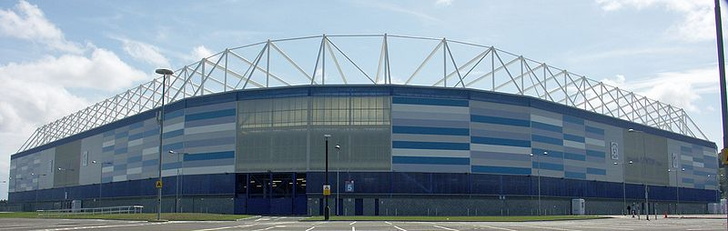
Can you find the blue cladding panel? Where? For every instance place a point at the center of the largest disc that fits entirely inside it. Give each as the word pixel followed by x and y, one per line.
pixel 174 146
pixel 548 140
pixel 172 134
pixel 174 114
pixel 430 101
pixel 134 159
pixel 210 156
pixel 574 156
pixel 573 120
pixel 596 171
pixel 574 138
pixel 546 127
pixel 108 149
pixel 595 153
pixel 210 115
pixel 430 160
pixel 499 120
pixel 430 130
pixel 430 145
pixel 501 170
pixel 121 134
pixel 548 166
pixel 594 130
pixel 120 151
pixel 575 175
pixel 499 141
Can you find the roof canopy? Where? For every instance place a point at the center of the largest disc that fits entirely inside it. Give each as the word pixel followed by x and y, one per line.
pixel 373 59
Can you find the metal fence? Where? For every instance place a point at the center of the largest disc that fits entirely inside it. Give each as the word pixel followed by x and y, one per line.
pixel 84 211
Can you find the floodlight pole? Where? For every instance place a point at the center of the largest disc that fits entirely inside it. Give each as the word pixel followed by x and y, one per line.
pixel 338 169
pixel 721 76
pixel 164 72
pixel 326 178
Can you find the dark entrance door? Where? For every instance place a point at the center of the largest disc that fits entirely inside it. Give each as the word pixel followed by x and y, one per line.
pixel 359 207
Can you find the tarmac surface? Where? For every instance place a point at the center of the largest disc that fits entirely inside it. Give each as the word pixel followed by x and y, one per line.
pixel 693 222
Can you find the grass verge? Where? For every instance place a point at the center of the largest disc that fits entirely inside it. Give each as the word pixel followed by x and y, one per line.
pixel 457 218
pixel 133 217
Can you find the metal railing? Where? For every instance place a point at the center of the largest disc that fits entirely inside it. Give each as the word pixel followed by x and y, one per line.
pixel 85 211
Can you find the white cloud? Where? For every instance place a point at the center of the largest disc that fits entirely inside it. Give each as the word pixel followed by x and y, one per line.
pixel 200 52
pixel 681 89
pixel 145 52
pixel 37 92
pixel 27 22
pixel 101 70
pixel 443 2
pixel 697 23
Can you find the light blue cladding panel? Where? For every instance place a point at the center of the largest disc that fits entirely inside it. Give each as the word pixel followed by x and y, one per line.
pixel 430 135
pixel 209 139
pixel 501 139
pixel 692 165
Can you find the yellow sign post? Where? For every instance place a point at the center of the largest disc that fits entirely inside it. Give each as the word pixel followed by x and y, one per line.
pixel 327 190
pixel 159 184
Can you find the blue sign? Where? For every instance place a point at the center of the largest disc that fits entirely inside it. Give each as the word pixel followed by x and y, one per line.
pixel 349 186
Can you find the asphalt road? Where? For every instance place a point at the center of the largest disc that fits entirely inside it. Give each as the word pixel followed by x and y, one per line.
pixel 293 223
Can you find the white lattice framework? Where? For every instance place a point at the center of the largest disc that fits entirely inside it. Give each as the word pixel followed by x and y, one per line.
pixel 373 60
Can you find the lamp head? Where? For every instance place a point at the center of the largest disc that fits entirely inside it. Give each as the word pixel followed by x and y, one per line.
pixel 164 71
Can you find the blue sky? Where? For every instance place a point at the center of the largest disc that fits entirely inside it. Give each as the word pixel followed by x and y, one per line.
pixel 61 56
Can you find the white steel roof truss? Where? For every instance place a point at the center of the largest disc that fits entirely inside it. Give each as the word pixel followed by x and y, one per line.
pixel 536 79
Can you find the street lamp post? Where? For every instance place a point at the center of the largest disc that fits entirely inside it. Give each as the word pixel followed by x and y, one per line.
pixel 177 191
pixel 677 189
pixel 327 187
pixel 538 171
pixel 164 72
pixel 624 188
pixel 338 169
pixel 101 175
pixel 65 183
pixel 644 181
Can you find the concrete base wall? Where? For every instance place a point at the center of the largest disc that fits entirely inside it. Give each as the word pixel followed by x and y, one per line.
pixel 488 206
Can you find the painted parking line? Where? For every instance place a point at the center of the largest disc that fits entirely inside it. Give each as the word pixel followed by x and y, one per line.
pixel 498 228
pixel 312 227
pixel 445 228
pixel 398 228
pixel 550 228
pixel 98 227
pixel 352 223
pixel 222 228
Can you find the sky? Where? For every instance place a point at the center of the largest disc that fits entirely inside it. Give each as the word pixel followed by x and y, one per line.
pixel 58 57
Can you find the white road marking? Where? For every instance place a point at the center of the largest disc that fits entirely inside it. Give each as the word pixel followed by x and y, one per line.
pixel 221 228
pixel 312 227
pixel 551 228
pixel 352 223
pixel 498 228
pixel 269 228
pixel 445 228
pixel 99 227
pixel 400 229
pixel 353 229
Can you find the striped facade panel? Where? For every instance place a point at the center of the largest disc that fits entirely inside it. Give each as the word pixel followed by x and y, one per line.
pixel 692 165
pixel 501 139
pixel 124 151
pixel 430 135
pixel 547 133
pixel 209 140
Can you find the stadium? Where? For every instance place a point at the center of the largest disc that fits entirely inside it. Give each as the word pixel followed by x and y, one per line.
pixel 403 125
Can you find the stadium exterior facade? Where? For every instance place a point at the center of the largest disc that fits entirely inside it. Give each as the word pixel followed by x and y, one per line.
pixel 404 148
